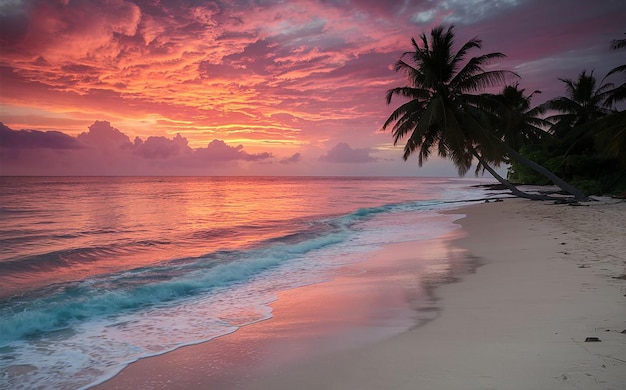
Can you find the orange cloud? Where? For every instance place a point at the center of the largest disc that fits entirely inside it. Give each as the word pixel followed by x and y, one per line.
pixel 271 73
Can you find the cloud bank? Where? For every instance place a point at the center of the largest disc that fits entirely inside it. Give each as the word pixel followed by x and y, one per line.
pixel 105 150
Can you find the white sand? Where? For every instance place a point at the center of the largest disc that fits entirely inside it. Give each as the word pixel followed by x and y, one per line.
pixel 550 279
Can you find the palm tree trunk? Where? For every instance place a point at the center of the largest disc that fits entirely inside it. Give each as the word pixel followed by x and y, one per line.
pixel 516 191
pixel 562 184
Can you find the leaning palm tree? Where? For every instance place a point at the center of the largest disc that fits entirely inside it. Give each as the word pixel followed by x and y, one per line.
pixel 443 111
pixel 518 124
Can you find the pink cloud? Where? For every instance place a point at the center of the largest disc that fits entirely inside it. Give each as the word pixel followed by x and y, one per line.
pixel 86 32
pixel 102 135
pixel 161 147
pixel 261 73
pixel 343 153
pixel 105 150
pixel 217 150
pixel 296 157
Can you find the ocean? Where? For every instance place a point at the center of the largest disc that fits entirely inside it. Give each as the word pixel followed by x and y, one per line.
pixel 97 272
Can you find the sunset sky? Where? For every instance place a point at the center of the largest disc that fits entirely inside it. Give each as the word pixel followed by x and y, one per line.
pixel 253 87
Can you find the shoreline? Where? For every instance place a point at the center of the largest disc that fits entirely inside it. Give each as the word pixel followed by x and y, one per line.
pixel 550 279
pixel 364 303
pixel 519 322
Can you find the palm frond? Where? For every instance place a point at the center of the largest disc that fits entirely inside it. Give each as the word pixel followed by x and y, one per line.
pixel 401 65
pixel 484 80
pixel 617 69
pixel 616 95
pixel 406 108
pixel 563 104
pixel 407 92
pixel 617 44
pixel 473 43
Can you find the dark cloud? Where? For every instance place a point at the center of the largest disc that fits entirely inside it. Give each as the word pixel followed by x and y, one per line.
pixel 256 57
pixel 384 8
pixel 35 139
pixel 13 24
pixel 74 21
pixel 296 157
pixel 343 153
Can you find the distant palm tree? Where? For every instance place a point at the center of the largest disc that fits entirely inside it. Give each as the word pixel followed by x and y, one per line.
pixel 518 123
pixel 618 94
pixel 611 137
pixel 443 111
pixel 583 102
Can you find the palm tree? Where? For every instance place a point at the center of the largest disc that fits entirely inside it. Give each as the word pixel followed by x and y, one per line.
pixel 618 94
pixel 612 135
pixel 583 103
pixel 610 138
pixel 517 124
pixel 443 113
pixel 438 99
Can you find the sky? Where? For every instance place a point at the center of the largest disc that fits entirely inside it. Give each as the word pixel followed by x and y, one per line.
pixel 254 87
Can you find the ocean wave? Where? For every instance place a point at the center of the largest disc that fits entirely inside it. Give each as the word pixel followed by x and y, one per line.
pixel 127 291
pixel 130 291
pixel 72 256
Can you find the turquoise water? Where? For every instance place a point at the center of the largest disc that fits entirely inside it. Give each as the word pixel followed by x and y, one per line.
pixel 98 272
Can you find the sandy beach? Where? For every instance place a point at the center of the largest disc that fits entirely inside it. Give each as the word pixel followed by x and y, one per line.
pixel 550 278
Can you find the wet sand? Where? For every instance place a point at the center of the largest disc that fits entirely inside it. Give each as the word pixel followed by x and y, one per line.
pixel 551 277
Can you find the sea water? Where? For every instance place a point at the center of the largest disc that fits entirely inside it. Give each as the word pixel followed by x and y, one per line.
pixel 96 273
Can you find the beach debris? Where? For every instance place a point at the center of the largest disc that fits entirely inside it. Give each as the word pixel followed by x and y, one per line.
pixel 583 266
pixel 624 331
pixel 592 340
